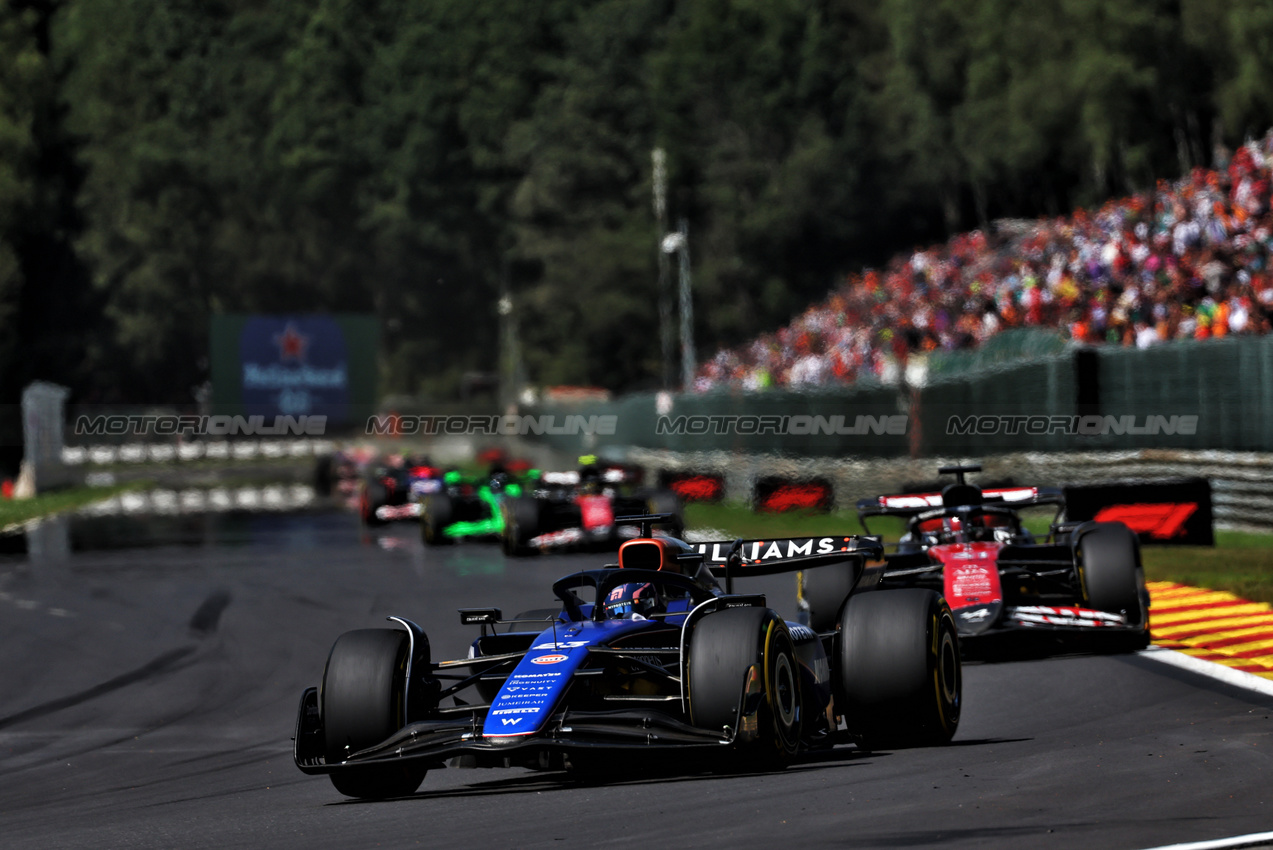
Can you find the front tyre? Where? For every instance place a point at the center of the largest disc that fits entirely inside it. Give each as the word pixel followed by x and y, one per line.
pixel 1112 577
pixel 361 702
pixel 899 680
pixel 374 495
pixel 742 656
pixel 435 516
pixel 521 525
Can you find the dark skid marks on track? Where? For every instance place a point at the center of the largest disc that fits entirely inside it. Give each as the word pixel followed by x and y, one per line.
pixel 203 623
pixel 168 662
pixel 1062 743
pixel 208 615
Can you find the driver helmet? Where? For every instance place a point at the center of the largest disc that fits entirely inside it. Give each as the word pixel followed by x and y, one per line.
pixel 634 601
pixel 590 475
pixel 992 527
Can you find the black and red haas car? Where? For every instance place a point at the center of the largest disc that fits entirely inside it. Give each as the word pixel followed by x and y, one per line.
pixel 969 544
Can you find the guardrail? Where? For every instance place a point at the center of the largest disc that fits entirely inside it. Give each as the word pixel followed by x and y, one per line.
pixel 103 455
pixel 281 497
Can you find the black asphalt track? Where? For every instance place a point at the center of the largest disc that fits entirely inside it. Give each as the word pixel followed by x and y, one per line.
pixel 150 671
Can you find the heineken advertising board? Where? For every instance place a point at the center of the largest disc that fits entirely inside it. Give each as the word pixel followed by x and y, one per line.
pixel 295 365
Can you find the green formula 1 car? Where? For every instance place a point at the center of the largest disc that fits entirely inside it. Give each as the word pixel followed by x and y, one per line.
pixel 469 506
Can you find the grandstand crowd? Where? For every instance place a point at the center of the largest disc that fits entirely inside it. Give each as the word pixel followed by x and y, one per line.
pixel 1188 261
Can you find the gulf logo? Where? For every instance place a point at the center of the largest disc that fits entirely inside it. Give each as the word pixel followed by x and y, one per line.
pixel 549 659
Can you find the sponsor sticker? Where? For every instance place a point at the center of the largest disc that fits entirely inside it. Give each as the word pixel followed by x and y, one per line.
pixel 565 644
pixel 549 659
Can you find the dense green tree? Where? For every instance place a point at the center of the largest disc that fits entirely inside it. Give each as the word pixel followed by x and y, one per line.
pixel 144 102
pixel 24 86
pixel 1237 37
pixel 418 160
pixel 761 107
pixel 442 95
pixel 585 236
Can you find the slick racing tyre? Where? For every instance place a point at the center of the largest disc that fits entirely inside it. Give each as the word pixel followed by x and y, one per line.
pixel 324 475
pixel 1112 578
pixel 898 676
pixel 521 525
pixel 373 495
pixel 745 657
pixel 435 516
pixel 824 590
pixel 361 703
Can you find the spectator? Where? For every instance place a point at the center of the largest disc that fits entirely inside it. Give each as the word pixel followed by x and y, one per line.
pixel 1190 260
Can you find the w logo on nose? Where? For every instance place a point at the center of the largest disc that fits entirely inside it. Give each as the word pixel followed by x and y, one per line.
pixel 510 721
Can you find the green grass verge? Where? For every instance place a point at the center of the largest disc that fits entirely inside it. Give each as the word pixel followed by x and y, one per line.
pixel 1240 562
pixel 20 510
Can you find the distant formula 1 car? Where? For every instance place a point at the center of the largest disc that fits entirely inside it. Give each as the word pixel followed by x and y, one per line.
pixel 970 545
pixel 650 655
pixel 469 506
pixel 340 473
pixel 393 488
pixel 577 510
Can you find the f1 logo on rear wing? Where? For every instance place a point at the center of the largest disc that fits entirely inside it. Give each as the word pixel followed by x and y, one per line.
pixel 1160 521
pixel 1175 511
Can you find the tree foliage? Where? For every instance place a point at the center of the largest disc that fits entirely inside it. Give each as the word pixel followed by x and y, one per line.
pixel 24 84
pixel 419 160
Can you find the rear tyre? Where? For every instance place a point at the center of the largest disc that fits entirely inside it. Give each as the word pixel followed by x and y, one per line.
pixel 435 516
pixel 373 496
pixel 324 475
pixel 1112 578
pixel 521 525
pixel 361 704
pixel 824 590
pixel 899 681
pixel 725 647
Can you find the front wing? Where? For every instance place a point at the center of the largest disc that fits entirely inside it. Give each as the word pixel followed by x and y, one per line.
pixel 437 740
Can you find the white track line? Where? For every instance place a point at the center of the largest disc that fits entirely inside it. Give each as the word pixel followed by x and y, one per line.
pixel 1256 839
pixel 1228 675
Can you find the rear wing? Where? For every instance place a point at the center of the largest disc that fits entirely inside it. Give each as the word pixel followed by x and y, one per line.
pixel 912 504
pixel 612 474
pixel 730 559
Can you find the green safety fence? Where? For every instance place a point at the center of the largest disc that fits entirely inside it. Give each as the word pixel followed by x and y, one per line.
pixel 1214 394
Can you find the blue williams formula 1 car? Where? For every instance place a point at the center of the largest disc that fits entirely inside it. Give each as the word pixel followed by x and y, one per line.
pixel 648 655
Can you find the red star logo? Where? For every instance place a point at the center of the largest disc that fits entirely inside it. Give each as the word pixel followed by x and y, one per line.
pixel 291 344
